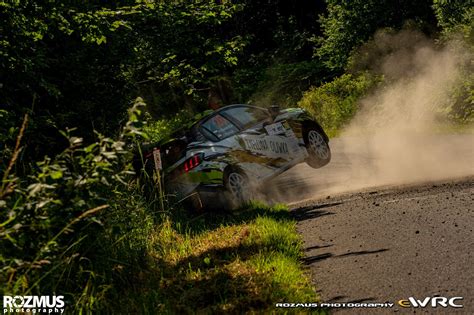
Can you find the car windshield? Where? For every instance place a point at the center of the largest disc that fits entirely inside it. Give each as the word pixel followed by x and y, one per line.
pixel 247 116
pixel 219 127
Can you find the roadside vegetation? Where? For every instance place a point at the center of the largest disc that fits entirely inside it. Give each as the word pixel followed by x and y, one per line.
pixel 82 83
pixel 80 227
pixel 335 103
pixel 222 262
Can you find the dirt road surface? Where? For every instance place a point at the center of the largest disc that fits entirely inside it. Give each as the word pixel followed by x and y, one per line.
pixel 371 236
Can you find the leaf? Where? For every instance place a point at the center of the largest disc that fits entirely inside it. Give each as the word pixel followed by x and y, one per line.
pixel 56 174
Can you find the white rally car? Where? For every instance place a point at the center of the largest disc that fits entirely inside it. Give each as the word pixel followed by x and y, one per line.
pixel 224 155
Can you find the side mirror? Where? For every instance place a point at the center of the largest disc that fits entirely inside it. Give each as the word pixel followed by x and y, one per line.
pixel 274 111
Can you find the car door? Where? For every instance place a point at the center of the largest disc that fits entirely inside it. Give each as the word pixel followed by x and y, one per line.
pixel 273 144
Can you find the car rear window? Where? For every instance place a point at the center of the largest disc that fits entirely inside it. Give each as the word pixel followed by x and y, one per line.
pixel 247 116
pixel 220 127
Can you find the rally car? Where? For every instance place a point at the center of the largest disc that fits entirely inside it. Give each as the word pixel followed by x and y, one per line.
pixel 224 156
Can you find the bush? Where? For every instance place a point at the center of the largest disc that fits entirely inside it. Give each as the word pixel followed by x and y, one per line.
pixel 454 15
pixel 456 18
pixel 334 103
pixel 460 107
pixel 157 130
pixel 74 225
pixel 284 84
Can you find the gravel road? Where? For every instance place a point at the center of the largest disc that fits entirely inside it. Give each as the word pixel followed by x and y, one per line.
pixel 373 237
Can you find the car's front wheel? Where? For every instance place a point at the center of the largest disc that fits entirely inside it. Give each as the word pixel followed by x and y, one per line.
pixel 317 147
pixel 237 187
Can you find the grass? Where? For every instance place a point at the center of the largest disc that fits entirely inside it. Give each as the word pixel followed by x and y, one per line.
pixel 221 262
pixel 454 128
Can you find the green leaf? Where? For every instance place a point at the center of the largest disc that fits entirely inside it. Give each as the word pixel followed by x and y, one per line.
pixel 56 174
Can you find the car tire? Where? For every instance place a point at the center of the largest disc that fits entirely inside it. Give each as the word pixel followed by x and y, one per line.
pixel 319 153
pixel 238 188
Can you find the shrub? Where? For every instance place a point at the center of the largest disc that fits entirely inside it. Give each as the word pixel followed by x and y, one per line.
pixel 283 84
pixel 160 129
pixel 74 226
pixel 335 103
pixel 460 107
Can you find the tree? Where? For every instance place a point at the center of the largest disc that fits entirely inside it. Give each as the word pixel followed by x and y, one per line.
pixel 456 16
pixel 59 62
pixel 348 24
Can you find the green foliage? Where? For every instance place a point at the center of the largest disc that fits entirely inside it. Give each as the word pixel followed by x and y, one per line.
pixel 460 107
pixel 284 84
pixel 75 225
pixel 348 24
pixel 451 13
pixel 456 18
pixel 62 63
pixel 194 45
pixel 161 129
pixel 277 64
pixel 73 64
pixel 334 103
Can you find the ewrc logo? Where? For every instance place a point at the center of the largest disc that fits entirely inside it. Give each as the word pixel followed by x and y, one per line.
pixel 33 304
pixel 432 301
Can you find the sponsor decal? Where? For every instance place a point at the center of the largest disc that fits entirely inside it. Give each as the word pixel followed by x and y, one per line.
pixel 33 304
pixel 275 129
pixel 272 146
pixel 276 146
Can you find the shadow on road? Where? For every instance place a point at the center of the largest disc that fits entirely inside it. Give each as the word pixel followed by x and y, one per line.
pixel 362 252
pixel 312 212
pixel 307 249
pixel 312 259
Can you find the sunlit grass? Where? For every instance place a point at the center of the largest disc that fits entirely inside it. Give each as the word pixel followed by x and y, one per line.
pixel 237 262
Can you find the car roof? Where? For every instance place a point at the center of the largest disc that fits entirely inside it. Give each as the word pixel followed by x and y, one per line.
pixel 205 114
pixel 234 105
pixel 212 112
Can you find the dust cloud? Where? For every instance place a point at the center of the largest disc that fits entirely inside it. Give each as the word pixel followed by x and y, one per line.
pixel 395 137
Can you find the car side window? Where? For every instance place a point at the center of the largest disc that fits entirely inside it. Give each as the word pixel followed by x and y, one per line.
pixel 247 116
pixel 220 127
pixel 196 134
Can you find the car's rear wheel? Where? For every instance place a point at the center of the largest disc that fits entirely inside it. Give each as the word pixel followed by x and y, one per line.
pixel 317 147
pixel 238 188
